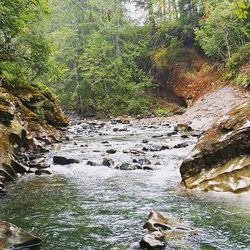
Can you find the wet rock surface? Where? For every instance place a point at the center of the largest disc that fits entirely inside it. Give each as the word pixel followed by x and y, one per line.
pixel 30 120
pixel 23 130
pixel 12 237
pixel 116 198
pixel 60 160
pixel 221 159
pixel 165 233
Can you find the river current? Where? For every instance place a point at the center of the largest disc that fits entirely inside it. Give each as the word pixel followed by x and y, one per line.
pixel 83 207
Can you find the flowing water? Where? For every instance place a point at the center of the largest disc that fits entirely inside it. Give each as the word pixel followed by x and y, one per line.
pixel 97 207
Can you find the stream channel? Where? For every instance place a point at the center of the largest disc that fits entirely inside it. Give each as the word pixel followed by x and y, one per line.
pixel 100 207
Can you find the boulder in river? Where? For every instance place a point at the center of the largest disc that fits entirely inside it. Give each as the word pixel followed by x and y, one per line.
pixel 221 159
pixel 60 160
pixel 12 237
pixel 164 232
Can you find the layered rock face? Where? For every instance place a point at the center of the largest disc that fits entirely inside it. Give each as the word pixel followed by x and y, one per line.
pixel 30 119
pixel 221 159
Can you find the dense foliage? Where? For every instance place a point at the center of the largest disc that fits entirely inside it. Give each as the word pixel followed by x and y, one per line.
pixel 23 50
pixel 97 55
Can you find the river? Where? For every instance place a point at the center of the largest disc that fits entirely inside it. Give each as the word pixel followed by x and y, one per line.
pixel 100 207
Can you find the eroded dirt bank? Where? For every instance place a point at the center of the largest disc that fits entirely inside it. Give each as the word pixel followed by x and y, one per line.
pixel 207 108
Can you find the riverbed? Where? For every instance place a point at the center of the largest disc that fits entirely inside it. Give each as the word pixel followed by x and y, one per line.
pixel 91 206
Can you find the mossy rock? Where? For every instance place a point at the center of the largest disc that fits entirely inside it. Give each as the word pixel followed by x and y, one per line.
pixel 29 120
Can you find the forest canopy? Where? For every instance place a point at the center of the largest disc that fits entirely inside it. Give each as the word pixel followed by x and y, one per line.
pixel 99 57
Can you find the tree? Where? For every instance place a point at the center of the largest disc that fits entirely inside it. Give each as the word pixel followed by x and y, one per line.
pixel 23 49
pixel 219 34
pixel 93 55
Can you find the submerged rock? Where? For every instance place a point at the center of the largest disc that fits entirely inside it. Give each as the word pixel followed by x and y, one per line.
pixel 221 159
pixel 12 237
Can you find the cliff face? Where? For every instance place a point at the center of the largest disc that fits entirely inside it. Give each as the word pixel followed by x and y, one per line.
pixel 221 159
pixel 30 118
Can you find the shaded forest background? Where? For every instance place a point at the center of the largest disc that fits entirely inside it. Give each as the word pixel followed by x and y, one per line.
pixel 97 58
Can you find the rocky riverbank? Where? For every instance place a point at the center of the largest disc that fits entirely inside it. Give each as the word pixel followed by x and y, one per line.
pixel 30 119
pixel 221 159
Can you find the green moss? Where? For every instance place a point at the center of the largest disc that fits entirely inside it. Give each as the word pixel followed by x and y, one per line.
pixel 162 111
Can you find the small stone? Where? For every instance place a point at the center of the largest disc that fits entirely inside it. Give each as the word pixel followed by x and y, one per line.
pixel 127 166
pixel 147 168
pixel 107 162
pixel 156 156
pixel 164 146
pixel 181 145
pixel 172 133
pixel 155 148
pixel 91 163
pixel 157 136
pixel 111 151
pixel 105 142
pixel 144 161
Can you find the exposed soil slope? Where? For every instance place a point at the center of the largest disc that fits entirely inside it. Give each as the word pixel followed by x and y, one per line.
pixel 198 81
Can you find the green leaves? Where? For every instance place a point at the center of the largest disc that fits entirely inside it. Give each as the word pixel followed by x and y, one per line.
pixel 23 50
pixel 99 53
pixel 219 34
